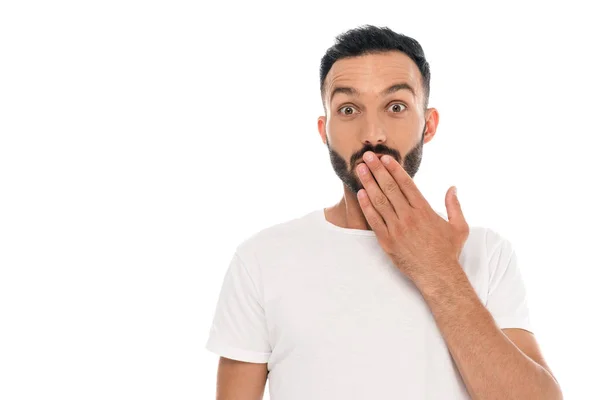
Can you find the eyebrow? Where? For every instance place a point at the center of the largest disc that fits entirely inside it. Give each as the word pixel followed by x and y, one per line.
pixel 350 91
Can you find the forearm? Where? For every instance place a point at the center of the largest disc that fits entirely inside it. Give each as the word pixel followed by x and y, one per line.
pixel 491 366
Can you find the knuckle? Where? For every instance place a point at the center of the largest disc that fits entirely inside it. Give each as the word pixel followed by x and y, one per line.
pixel 380 200
pixel 422 212
pixel 390 187
pixel 408 220
pixel 406 181
pixel 466 231
pixel 398 230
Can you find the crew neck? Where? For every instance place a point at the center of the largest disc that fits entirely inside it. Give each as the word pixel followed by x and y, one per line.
pixel 320 214
pixel 361 232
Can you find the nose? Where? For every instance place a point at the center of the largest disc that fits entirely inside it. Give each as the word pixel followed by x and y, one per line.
pixel 373 131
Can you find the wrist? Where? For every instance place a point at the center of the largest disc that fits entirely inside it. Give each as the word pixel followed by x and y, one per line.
pixel 438 280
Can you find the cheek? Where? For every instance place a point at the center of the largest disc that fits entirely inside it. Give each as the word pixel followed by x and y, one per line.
pixel 343 130
pixel 402 125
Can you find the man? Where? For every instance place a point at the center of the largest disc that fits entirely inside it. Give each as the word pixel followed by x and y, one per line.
pixel 379 296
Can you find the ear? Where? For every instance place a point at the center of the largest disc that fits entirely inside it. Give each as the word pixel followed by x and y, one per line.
pixel 321 125
pixel 431 121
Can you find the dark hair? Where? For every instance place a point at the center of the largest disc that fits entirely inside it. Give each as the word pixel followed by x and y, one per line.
pixel 369 39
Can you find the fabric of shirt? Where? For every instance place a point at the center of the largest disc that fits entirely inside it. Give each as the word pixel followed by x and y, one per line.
pixel 334 318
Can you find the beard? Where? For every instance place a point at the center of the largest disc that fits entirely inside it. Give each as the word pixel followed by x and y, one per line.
pixel 411 163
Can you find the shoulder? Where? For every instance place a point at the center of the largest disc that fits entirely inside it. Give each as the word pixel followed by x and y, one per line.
pixel 278 240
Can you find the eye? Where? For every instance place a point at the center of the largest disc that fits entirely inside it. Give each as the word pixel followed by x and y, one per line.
pixel 347 110
pixel 396 107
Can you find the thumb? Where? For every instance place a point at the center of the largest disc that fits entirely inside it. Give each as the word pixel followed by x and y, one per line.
pixel 455 214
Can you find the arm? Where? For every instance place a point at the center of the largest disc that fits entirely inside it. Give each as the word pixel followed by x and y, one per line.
pixel 239 334
pixel 491 365
pixel 420 242
pixel 239 380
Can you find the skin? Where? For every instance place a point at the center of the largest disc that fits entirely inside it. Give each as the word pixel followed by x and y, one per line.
pixel 395 124
pixel 494 363
pixel 238 380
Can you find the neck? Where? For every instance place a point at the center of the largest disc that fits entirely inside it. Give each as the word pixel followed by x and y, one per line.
pixel 347 213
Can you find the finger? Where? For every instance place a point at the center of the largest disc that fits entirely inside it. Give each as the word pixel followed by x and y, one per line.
pixel 373 217
pixel 456 216
pixel 387 183
pixel 410 190
pixel 377 198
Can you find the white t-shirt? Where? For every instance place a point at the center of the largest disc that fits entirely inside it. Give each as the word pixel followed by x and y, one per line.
pixel 334 318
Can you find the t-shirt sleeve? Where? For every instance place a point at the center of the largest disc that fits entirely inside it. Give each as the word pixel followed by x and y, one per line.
pixel 239 329
pixel 507 295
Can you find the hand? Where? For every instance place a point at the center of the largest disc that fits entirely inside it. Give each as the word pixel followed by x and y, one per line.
pixel 418 240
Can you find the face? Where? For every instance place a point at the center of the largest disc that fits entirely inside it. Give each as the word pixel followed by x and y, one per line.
pixel 375 103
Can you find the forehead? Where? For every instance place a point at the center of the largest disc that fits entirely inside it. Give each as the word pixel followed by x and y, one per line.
pixel 372 73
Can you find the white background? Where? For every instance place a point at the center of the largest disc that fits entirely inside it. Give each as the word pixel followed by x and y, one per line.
pixel 140 142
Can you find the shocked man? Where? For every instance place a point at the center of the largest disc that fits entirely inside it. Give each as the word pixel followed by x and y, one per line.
pixel 378 296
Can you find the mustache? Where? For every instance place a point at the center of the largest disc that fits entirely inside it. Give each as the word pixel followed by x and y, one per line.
pixel 376 151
